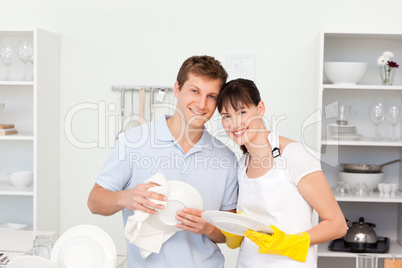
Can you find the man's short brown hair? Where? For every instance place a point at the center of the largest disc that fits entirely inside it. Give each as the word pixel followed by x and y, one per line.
pixel 204 66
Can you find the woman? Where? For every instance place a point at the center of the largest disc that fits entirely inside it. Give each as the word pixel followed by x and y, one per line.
pixel 280 184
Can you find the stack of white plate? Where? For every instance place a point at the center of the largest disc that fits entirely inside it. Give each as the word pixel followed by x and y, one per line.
pixel 343 132
pixel 84 246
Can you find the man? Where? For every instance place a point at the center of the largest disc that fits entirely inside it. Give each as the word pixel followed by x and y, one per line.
pixel 194 157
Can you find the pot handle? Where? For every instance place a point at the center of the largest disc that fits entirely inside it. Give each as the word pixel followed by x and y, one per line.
pixel 361 221
pixel 348 223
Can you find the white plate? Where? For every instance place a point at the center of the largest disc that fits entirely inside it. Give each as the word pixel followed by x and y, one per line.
pixel 346 137
pixel 84 246
pixel 342 129
pixel 181 195
pixel 32 261
pixel 234 223
pixel 14 226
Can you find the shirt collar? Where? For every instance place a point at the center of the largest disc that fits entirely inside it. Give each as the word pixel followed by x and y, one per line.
pixel 163 134
pixel 162 130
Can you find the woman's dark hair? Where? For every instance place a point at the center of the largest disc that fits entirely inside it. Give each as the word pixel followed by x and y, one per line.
pixel 237 93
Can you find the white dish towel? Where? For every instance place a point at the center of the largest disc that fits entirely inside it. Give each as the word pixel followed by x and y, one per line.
pixel 140 232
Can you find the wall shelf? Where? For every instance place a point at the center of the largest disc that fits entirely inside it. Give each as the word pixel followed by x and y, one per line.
pixel 361 142
pixel 395 249
pixel 372 198
pixel 386 213
pixel 7 188
pixel 361 87
pixel 33 108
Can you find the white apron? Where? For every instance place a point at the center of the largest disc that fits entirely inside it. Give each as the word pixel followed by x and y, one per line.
pixel 275 200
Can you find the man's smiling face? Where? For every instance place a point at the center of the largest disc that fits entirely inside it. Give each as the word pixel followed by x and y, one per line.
pixel 196 100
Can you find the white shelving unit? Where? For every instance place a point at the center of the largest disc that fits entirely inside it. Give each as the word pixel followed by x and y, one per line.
pixel 33 107
pixel 386 213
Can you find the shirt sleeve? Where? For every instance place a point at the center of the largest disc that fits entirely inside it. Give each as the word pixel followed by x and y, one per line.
pixel 299 161
pixel 116 172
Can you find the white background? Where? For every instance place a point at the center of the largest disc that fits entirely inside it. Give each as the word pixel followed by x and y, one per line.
pixel 112 42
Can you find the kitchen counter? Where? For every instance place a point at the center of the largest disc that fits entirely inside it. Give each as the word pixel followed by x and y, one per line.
pixel 16 241
pixel 20 240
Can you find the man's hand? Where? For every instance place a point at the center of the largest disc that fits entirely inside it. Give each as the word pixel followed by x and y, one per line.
pixel 191 221
pixel 139 198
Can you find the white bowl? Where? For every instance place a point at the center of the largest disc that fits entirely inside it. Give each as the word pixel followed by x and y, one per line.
pixel 345 73
pixel 21 178
pixel 370 179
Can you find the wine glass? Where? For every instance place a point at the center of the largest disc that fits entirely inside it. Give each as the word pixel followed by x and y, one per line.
pixel 7 56
pixel 377 113
pixel 393 116
pixel 25 53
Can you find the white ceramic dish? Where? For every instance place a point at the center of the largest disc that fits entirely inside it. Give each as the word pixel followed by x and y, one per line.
pixel 234 223
pixel 180 195
pixel 342 129
pixel 346 137
pixel 13 226
pixel 84 246
pixel 21 178
pixel 345 73
pixel 370 179
pixel 31 261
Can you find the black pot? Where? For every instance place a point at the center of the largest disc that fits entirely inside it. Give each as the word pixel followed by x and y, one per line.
pixel 360 236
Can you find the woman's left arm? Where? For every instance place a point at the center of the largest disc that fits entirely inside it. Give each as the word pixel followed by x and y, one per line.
pixel 315 189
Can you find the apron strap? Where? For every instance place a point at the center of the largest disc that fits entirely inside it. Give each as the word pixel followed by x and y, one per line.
pixel 275 144
pixel 273 139
pixel 247 160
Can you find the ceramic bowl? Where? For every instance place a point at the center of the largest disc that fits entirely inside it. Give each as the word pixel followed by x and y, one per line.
pixel 21 178
pixel 345 73
pixel 352 179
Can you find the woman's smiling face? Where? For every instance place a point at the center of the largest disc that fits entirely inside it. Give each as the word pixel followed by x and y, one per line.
pixel 244 123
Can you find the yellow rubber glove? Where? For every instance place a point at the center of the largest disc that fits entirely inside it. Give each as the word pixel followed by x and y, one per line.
pixel 232 241
pixel 294 246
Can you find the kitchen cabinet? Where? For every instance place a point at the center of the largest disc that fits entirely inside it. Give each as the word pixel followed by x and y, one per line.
pixel 386 213
pixel 33 107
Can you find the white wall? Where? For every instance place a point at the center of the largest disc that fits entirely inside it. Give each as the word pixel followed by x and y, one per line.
pixel 106 42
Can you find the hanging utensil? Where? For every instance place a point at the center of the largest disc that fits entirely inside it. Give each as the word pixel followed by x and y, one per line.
pixel 141 119
pixel 151 105
pixel 122 100
pixel 132 109
pixel 360 168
